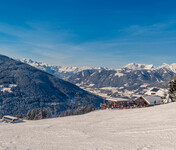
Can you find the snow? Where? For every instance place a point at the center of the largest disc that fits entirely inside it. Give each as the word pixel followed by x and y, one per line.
pixel 7 89
pixel 112 89
pixel 117 99
pixel 68 69
pixel 144 85
pixel 12 85
pixel 161 92
pixel 121 87
pixel 126 84
pixel 129 67
pixel 134 66
pixel 60 69
pixel 77 79
pixel 95 91
pixel 171 67
pixel 119 74
pixel 164 65
pixel 93 74
pixel 151 128
pixel 78 84
pixel 91 85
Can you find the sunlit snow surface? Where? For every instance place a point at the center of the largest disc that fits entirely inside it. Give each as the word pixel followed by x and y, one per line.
pixel 151 128
pixel 7 89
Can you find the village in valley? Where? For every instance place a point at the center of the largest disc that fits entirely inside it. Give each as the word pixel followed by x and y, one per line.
pixel 154 96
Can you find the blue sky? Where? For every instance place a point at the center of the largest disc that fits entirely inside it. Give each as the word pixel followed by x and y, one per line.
pixel 109 33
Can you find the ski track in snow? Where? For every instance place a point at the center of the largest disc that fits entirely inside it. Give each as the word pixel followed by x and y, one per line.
pixel 151 128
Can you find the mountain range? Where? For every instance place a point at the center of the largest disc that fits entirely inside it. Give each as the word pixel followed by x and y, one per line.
pixel 59 71
pixel 129 81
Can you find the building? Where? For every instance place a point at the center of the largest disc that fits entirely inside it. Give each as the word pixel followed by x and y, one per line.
pixel 158 92
pixel 117 102
pixel 10 119
pixel 148 100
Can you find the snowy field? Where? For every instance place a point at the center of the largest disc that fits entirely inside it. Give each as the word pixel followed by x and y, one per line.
pixel 151 128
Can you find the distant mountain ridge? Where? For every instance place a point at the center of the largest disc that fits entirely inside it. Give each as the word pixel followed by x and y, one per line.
pixel 134 66
pixel 59 71
pixel 62 69
pixel 131 80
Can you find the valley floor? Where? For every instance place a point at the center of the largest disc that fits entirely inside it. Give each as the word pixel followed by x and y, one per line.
pixel 151 128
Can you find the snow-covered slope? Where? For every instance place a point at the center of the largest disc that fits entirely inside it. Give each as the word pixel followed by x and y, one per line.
pixel 151 128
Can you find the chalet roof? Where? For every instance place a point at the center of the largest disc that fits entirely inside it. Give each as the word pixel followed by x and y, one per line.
pixel 10 117
pixel 118 99
pixel 150 99
pixel 155 89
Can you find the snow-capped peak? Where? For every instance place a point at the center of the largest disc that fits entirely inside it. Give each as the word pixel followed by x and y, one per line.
pixel 57 69
pixel 134 66
pixel 171 67
pixel 63 69
pixel 102 68
pixel 33 63
pixel 164 65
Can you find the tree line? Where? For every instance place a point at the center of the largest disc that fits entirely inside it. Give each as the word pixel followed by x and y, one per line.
pixel 39 113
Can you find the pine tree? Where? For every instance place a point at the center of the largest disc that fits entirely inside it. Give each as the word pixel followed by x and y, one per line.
pixel 174 83
pixel 172 88
pixel 38 113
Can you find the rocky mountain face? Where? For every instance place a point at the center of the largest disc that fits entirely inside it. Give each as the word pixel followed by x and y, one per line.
pixel 121 83
pixel 23 87
pixel 129 81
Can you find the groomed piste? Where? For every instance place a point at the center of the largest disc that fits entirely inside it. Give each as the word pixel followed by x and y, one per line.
pixel 152 128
